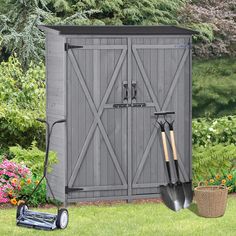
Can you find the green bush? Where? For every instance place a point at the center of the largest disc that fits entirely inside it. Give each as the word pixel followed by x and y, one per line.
pixel 205 32
pixel 32 157
pixel 22 100
pixel 210 160
pixel 214 87
pixel 214 149
pixel 207 131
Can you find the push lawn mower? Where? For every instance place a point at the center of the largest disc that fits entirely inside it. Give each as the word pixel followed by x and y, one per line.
pixel 39 220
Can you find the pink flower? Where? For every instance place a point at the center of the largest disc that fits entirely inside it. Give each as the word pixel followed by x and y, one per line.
pixel 11 174
pixel 3 200
pixel 3 180
pixel 9 171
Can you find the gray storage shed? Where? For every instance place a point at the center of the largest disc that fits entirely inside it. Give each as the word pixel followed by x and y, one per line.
pixel 107 81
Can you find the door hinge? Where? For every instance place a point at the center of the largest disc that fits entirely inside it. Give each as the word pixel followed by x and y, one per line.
pixel 69 46
pixel 68 190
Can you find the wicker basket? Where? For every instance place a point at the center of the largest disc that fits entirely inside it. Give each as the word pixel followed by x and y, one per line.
pixel 211 200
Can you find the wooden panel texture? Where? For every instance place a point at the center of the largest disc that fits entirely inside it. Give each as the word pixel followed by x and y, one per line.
pixel 56 109
pixel 116 153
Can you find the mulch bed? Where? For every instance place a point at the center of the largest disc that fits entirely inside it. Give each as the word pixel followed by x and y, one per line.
pixel 109 203
pixel 100 203
pixel 94 203
pixel 6 206
pixel 10 206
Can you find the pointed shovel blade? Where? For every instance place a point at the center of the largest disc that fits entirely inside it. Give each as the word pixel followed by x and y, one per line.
pixel 188 193
pixel 173 196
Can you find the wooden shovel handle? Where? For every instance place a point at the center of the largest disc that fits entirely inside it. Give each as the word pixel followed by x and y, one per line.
pixel 172 138
pixel 163 135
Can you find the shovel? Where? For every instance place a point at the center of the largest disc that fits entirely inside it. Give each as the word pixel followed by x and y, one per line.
pixel 172 194
pixel 186 186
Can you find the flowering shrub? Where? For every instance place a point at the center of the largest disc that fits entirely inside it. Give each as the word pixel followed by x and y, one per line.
pixel 208 131
pixel 12 176
pixel 17 183
pixel 39 197
pixel 226 179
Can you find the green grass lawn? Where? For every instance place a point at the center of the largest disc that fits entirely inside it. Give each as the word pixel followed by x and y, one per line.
pixel 131 219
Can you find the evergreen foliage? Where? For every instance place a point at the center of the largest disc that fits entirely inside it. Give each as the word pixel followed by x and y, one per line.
pixel 214 87
pixel 18 27
pixel 214 20
pixel 19 19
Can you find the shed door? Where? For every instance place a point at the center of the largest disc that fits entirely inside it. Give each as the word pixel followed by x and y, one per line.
pixel 97 132
pixel 160 72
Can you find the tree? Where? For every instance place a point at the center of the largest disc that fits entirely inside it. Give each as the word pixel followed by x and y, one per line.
pixel 19 19
pixel 18 28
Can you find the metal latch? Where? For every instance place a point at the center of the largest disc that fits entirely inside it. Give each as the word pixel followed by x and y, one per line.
pixel 122 105
pixel 138 104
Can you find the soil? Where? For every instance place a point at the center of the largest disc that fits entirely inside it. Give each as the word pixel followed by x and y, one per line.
pixel 100 203
pixel 94 203
pixel 109 203
pixel 6 206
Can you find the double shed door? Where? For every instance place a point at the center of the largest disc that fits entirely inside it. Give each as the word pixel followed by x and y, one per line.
pixel 114 87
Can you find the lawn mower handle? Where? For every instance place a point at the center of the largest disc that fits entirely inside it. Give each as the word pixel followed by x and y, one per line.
pixel 56 122
pixel 49 132
pixel 60 121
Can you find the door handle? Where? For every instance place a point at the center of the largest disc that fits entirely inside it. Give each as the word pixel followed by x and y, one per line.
pixel 125 92
pixel 133 90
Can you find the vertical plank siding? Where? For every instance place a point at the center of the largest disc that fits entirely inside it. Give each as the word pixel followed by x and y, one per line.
pixel 56 109
pixel 116 153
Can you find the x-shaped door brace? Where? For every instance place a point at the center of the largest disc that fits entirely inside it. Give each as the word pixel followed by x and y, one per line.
pixel 97 116
pixel 156 104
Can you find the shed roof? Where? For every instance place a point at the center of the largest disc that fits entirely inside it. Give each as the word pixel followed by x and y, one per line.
pixel 117 30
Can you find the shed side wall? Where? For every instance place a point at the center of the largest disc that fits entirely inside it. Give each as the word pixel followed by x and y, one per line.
pixel 56 109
